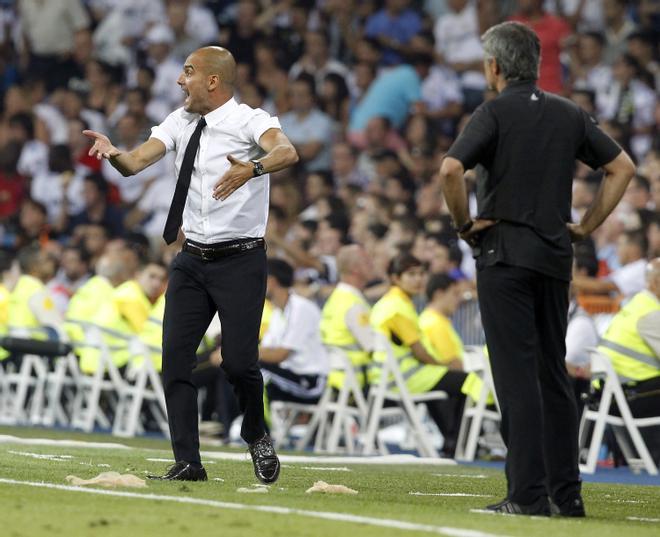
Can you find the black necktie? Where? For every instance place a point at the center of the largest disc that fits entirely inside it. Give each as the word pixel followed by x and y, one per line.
pixel 175 216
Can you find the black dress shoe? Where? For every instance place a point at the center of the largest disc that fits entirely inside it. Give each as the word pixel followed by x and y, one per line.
pixel 265 461
pixel 572 506
pixel 540 507
pixel 183 471
pixel 496 506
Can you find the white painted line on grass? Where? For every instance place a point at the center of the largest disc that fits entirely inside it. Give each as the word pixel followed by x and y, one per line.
pixel 305 459
pixel 169 461
pixel 319 468
pixel 642 519
pixel 451 494
pixel 402 459
pixel 462 476
pixel 324 515
pixel 41 456
pixel 8 439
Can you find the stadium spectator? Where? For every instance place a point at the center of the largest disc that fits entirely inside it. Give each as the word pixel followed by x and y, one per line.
pixel 50 29
pixel 316 60
pixel 618 27
pixel 309 129
pixel 291 355
pixel 553 32
pixel 393 26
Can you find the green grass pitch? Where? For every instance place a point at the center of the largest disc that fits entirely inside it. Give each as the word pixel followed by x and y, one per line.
pixel 384 506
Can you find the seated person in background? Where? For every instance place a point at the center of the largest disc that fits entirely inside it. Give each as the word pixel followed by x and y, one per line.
pixel 394 315
pixel 581 333
pixel 444 296
pixel 627 280
pixel 632 342
pixel 291 355
pixel 345 316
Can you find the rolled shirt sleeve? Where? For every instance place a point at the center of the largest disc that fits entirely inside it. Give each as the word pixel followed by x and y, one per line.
pixel 479 133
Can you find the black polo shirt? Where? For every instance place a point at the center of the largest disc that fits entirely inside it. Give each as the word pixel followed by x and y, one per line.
pixel 524 144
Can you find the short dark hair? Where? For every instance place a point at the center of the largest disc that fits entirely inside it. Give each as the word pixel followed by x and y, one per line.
pixel 281 271
pixel 585 256
pixel 82 252
pixel 99 182
pixel 596 36
pixel 6 260
pixel 638 238
pixel 24 121
pixel 28 257
pixel 516 49
pixel 401 263
pixel 439 281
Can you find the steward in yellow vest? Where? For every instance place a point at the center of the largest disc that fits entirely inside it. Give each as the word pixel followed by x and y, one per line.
pixel 395 316
pixel 345 316
pixel 6 265
pixel 632 342
pixel 125 314
pixel 31 308
pixel 87 301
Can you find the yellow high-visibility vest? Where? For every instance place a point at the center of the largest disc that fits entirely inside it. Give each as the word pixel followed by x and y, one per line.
pixel 335 332
pixel 419 377
pixel 632 358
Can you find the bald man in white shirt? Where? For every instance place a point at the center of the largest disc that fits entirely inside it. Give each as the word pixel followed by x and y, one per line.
pixel 224 153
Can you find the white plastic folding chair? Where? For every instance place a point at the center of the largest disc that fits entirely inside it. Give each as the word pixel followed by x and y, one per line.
pixel 637 455
pixel 410 406
pixel 476 412
pixel 338 411
pixel 24 385
pixel 142 388
pixel 106 379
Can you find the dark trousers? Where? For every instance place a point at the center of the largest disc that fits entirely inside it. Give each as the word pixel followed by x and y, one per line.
pixel 524 315
pixel 447 413
pixel 235 287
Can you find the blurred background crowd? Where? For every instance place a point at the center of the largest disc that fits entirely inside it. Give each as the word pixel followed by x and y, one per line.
pixel 371 93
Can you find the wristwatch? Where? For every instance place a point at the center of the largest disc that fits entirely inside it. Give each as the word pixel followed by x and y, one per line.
pixel 258 168
pixel 465 227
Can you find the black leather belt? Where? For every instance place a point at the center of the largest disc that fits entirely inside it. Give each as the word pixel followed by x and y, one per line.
pixel 211 252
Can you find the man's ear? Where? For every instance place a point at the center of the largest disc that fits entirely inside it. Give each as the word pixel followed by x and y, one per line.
pixel 213 81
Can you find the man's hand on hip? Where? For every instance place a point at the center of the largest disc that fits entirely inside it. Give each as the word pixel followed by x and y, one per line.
pixel 236 176
pixel 577 232
pixel 471 236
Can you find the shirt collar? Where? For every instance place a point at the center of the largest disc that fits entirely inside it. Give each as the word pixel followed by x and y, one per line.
pixel 397 291
pixel 519 86
pixel 219 114
pixel 350 288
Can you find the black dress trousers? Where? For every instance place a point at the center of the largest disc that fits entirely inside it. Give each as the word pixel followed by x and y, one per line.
pixel 235 287
pixel 524 315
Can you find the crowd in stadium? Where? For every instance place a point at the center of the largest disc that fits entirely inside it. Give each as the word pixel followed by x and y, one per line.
pixel 371 93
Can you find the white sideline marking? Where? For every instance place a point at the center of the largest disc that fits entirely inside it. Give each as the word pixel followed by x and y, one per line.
pixel 325 515
pixel 8 439
pixel 296 459
pixel 300 459
pixel 642 519
pixel 319 468
pixel 467 476
pixel 451 494
pixel 170 461
pixel 42 456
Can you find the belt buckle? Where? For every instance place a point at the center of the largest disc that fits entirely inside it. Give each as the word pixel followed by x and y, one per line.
pixel 206 254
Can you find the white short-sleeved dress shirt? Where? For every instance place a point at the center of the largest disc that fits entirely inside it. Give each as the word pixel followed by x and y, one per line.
pixel 231 129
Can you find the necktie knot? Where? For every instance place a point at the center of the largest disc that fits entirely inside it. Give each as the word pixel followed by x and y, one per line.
pixel 201 123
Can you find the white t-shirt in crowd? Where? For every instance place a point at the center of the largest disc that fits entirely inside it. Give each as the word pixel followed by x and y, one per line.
pixel 630 278
pixel 297 328
pixel 457 39
pixel 581 334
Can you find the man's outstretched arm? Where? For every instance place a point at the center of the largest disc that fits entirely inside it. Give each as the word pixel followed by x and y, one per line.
pixel 126 162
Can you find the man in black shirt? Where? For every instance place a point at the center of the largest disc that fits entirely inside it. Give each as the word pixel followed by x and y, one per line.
pixel 524 144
